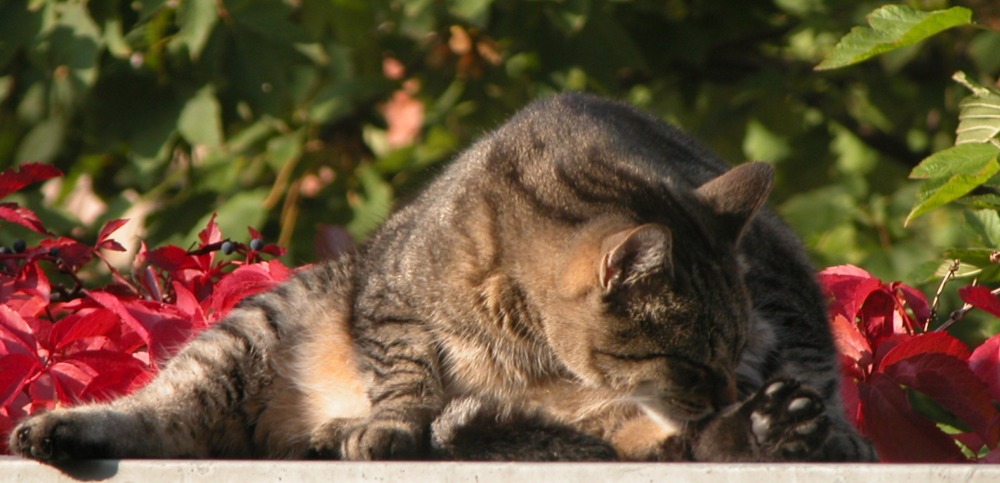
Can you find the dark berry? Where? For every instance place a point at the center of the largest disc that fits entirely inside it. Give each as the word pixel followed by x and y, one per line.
pixel 227 247
pixel 256 244
pixel 20 246
pixel 54 251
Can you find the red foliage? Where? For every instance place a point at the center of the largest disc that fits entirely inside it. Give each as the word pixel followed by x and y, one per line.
pixel 887 354
pixel 64 345
pixel 13 181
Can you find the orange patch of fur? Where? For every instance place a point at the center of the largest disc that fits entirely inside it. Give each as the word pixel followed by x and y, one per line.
pixel 329 378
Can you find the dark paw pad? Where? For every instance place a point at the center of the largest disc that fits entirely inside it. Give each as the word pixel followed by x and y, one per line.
pixel 788 420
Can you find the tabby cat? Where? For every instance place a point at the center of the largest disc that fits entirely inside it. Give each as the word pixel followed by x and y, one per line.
pixel 585 282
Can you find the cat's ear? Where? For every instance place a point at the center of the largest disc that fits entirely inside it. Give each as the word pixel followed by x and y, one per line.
pixel 633 254
pixel 736 195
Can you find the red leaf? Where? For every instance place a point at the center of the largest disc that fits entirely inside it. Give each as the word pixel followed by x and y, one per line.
pixel 981 298
pixel 188 304
pixel 916 300
pixel 103 240
pixel 116 306
pixel 169 328
pixel 28 293
pixel 970 440
pixel 17 370
pixel 992 457
pixel 985 362
pixel 900 434
pixel 12 181
pixel 114 374
pixel 22 216
pixel 850 393
pixel 850 342
pixel 69 379
pixel 109 228
pixel 172 258
pixel 16 336
pixel 241 283
pixel 76 327
pixel 882 315
pixel 9 415
pixel 926 343
pixel 71 252
pixel 42 392
pixel 211 233
pixel 949 381
pixel 850 287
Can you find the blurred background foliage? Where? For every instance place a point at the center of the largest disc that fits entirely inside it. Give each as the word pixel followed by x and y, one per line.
pixel 302 117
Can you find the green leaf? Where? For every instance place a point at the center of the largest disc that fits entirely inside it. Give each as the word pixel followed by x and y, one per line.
pixel 979 114
pixel 200 122
pixel 196 19
pixel 570 16
pixel 476 12
pixel 981 202
pixel 892 27
pixel 941 190
pixel 43 141
pixel 372 205
pixel 271 21
pixel 284 149
pixel 986 224
pixel 962 159
pixel 75 42
pixel 965 270
pixel 114 39
pixel 19 25
pixel 978 257
pixel 237 213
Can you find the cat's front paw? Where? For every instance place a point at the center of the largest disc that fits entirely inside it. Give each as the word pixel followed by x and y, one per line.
pixel 326 441
pixel 55 437
pixel 788 420
pixel 380 440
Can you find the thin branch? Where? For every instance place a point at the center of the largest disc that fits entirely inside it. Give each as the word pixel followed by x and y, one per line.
pixel 960 313
pixel 952 270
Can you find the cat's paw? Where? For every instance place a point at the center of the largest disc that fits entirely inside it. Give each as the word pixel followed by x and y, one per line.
pixel 55 437
pixel 788 420
pixel 325 441
pixel 380 440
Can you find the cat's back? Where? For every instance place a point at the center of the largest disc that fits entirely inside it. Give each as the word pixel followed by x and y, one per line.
pixel 572 132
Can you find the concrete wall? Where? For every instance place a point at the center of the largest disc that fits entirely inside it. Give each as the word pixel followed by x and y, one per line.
pixel 211 471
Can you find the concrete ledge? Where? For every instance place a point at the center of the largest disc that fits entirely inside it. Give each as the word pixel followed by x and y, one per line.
pixel 215 471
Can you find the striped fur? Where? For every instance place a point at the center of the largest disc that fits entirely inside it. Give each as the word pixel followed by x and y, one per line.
pixel 584 270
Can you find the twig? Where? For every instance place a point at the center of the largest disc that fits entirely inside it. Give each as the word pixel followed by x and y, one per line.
pixel 952 270
pixel 960 313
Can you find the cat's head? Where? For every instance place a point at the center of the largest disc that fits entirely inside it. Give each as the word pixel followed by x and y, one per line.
pixel 660 312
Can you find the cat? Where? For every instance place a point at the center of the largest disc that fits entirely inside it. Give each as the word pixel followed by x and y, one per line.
pixel 584 282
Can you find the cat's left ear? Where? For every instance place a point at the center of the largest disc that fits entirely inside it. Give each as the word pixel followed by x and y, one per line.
pixel 736 195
